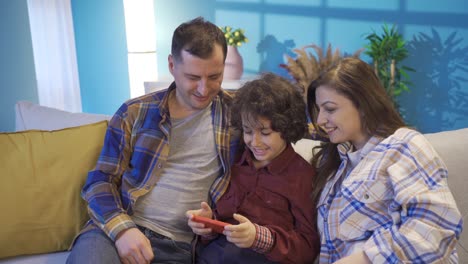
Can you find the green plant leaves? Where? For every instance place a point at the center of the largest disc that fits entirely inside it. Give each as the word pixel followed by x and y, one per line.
pixel 234 37
pixel 386 49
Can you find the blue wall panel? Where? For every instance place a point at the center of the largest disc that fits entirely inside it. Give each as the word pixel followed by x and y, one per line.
pixel 101 49
pixel 168 15
pixel 17 72
pixel 437 33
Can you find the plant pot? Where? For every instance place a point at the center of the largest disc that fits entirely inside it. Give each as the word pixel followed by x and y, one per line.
pixel 234 65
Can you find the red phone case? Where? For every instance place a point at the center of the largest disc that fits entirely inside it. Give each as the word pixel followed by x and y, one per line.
pixel 215 225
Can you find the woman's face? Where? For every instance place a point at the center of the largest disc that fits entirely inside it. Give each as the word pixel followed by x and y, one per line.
pixel 339 117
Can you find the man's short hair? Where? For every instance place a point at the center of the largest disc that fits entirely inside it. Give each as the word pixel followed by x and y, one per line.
pixel 198 37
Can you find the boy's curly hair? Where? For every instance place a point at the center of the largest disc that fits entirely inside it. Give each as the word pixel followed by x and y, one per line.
pixel 276 99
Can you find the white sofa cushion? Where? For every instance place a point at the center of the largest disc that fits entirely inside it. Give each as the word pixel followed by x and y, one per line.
pixel 452 146
pixel 32 116
pixel 304 148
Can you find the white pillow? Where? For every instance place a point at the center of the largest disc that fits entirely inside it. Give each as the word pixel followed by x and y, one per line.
pixel 32 116
pixel 452 147
pixel 304 148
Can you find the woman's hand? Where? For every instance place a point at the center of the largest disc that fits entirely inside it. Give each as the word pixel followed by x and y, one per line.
pixel 199 228
pixel 243 234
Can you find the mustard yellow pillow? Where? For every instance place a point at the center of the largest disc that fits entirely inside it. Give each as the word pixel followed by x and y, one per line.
pixel 42 173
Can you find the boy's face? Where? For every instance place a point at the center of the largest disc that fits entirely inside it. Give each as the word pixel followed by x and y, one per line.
pixel 264 143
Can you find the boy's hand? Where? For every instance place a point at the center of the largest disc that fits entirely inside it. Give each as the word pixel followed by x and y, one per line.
pixel 199 228
pixel 243 234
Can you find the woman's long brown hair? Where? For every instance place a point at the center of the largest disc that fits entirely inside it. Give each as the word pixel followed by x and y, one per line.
pixel 356 80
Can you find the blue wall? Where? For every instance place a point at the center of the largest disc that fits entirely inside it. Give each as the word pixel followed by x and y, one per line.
pixel 168 15
pixel 437 32
pixel 17 72
pixel 101 50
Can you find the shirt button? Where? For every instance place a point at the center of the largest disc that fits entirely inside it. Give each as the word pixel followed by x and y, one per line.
pixel 159 165
pixel 366 196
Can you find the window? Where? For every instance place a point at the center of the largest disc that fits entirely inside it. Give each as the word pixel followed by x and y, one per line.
pixel 141 44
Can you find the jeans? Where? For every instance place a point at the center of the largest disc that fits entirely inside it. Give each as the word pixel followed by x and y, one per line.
pixel 96 247
pixel 222 251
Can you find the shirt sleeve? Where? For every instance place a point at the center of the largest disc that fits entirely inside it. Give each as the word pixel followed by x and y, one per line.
pixel 427 224
pixel 101 189
pixel 263 239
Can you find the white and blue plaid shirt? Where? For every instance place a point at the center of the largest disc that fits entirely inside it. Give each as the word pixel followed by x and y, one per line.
pixel 395 204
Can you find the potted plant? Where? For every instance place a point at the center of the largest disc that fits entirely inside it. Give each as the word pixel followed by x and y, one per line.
pixel 234 64
pixel 387 51
pixel 307 67
pixel 234 37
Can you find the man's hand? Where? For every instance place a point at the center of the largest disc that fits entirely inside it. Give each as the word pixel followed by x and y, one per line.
pixel 199 228
pixel 243 234
pixel 134 247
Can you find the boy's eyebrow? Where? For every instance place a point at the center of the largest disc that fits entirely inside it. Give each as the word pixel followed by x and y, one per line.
pixel 261 128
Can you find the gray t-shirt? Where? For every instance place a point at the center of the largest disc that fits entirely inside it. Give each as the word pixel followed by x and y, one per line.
pixel 192 166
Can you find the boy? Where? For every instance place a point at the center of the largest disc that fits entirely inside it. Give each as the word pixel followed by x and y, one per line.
pixel 268 201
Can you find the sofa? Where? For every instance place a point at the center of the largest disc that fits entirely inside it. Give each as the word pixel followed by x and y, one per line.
pixel 46 163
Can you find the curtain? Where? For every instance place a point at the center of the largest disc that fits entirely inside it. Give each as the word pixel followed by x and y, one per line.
pixel 54 54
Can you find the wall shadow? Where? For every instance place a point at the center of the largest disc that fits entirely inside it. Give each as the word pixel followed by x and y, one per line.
pixel 438 101
pixel 438 96
pixel 272 52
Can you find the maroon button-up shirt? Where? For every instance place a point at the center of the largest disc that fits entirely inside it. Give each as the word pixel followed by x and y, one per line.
pixel 278 197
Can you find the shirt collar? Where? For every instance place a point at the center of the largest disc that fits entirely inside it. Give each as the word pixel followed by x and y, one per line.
pixel 346 147
pixel 276 166
pixel 164 106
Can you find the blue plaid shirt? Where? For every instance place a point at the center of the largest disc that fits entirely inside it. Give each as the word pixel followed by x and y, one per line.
pixel 395 204
pixel 135 150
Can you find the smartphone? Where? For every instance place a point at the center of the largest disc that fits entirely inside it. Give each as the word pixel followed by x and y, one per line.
pixel 215 225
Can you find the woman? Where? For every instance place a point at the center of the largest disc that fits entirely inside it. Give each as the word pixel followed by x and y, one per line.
pixel 381 189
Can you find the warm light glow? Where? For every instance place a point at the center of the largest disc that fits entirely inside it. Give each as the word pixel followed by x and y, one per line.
pixel 141 44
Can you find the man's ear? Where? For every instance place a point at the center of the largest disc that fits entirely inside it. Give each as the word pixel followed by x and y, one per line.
pixel 170 63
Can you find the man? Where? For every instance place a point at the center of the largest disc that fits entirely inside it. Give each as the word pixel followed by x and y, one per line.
pixel 164 153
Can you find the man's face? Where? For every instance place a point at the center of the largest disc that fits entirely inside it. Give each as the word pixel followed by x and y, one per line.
pixel 198 80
